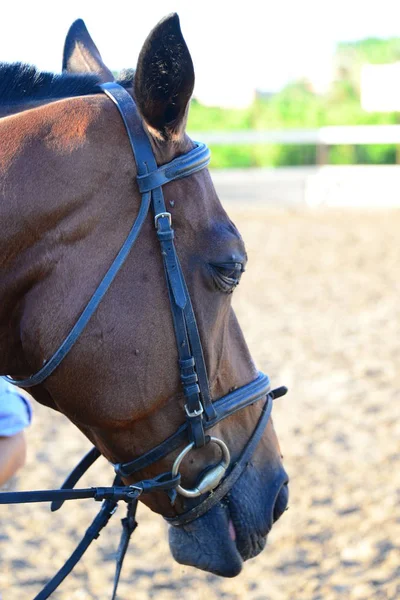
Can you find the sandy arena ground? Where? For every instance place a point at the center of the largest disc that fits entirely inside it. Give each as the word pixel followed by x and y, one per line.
pixel 320 308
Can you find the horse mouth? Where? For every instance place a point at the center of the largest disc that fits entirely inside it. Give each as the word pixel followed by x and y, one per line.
pixel 229 534
pixel 250 543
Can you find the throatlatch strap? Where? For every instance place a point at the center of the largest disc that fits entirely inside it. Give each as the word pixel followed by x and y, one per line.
pixel 92 305
pixel 183 166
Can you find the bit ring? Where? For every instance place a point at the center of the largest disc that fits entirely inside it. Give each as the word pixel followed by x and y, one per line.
pixel 211 479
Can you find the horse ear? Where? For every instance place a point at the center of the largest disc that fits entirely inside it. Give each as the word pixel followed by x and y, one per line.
pixel 81 54
pixel 164 79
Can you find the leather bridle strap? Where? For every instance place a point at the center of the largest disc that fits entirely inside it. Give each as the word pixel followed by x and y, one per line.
pixel 110 496
pixel 224 407
pixel 150 178
pixel 92 305
pixel 117 492
pixel 76 474
pixel 180 167
pixel 92 533
pixel 100 521
pixel 129 525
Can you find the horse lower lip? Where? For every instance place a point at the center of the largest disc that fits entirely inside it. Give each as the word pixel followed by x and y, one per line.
pixel 232 531
pixel 207 543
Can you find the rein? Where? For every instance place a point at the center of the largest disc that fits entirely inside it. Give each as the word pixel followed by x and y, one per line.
pixel 202 412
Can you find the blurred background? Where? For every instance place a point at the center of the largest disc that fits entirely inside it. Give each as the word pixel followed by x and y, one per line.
pixel 300 103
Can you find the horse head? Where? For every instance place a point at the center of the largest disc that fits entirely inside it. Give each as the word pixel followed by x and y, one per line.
pixel 70 197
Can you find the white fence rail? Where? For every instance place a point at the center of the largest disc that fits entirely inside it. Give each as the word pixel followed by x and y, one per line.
pixel 373 187
pixel 328 136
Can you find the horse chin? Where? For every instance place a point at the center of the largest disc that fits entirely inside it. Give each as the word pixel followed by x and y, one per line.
pixel 234 530
pixel 207 544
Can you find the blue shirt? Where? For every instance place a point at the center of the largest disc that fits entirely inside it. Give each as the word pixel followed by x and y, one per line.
pixel 15 410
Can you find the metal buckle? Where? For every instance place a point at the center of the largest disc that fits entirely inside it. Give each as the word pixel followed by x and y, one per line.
pixel 194 413
pixel 136 487
pixel 160 215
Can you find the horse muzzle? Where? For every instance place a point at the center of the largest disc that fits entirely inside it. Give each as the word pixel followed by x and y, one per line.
pixel 236 529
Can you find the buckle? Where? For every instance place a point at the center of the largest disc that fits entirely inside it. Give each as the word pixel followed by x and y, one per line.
pixel 194 413
pixel 136 488
pixel 160 216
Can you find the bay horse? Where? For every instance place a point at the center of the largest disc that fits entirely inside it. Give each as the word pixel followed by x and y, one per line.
pixel 70 191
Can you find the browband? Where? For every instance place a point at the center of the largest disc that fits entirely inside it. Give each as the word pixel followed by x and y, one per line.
pixel 180 167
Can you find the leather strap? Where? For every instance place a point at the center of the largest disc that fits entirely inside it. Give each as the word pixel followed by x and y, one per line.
pixel 161 483
pixel 129 525
pixel 193 161
pixel 224 407
pixel 92 533
pixel 176 169
pixel 76 474
pixel 92 305
pixel 151 177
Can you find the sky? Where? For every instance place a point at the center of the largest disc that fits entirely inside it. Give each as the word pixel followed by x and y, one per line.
pixel 236 46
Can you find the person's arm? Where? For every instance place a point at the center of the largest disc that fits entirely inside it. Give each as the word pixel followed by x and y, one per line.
pixel 15 416
pixel 12 455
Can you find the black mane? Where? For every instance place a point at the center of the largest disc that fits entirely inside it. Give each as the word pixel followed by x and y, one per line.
pixel 22 83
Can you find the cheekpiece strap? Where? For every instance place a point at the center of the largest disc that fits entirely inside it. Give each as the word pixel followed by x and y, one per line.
pixel 150 179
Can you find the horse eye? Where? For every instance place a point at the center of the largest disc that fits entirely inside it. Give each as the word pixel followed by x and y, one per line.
pixel 226 276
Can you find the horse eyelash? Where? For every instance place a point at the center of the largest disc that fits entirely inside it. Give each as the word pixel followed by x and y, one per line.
pixel 226 276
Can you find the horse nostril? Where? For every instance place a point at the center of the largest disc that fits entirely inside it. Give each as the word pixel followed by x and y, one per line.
pixel 281 502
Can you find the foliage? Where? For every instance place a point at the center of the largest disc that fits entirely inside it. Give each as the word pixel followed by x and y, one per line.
pixel 298 106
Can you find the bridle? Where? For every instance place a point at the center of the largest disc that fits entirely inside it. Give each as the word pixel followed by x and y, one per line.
pixel 202 413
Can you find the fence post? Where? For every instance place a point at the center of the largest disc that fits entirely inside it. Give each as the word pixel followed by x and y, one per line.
pixel 322 154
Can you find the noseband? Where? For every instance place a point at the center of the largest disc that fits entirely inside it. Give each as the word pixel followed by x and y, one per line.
pixel 202 413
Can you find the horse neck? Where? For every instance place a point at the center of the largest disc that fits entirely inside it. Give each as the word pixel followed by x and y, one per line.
pixel 14 108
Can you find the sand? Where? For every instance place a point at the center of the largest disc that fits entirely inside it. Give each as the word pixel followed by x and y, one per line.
pixel 319 305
